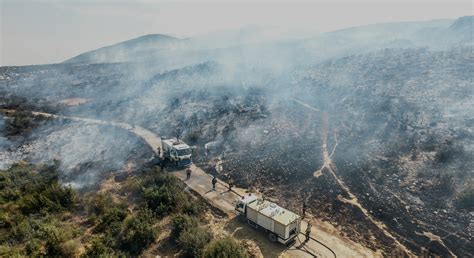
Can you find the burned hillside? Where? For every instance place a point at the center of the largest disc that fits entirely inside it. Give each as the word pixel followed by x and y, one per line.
pixel 380 137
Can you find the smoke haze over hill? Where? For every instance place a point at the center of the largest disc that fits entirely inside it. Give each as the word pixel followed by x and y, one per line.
pixel 385 109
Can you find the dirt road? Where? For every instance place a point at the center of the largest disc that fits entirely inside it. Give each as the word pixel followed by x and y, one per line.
pixel 326 240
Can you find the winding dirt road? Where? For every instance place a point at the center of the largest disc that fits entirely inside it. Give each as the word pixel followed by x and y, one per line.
pixel 323 235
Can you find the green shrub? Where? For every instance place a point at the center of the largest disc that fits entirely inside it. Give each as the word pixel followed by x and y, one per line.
pixel 21 230
pixel 98 248
pixel 224 248
pixel 34 248
pixel 111 220
pixel 138 233
pixel 182 223
pixel 164 194
pixel 59 242
pixel 35 189
pixel 161 200
pixel 191 207
pixel 19 122
pixel 193 240
pixel 69 248
pixel 9 251
pixel 54 198
pixel 98 204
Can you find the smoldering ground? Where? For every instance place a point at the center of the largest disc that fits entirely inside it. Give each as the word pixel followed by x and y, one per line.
pixel 86 153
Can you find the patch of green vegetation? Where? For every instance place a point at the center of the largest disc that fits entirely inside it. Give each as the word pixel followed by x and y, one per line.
pixel 189 235
pixel 181 223
pixel 225 247
pixel 138 232
pixel 163 194
pixel 22 122
pixel 97 248
pixel 36 216
pixel 32 203
pixel 192 240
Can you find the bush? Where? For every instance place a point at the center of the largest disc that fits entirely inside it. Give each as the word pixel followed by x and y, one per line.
pixel 98 248
pixel 161 200
pixel 54 198
pixel 34 248
pixel 59 242
pixel 98 204
pixel 138 233
pixel 193 240
pixel 448 151
pixel 19 122
pixel 35 189
pixel 111 220
pixel 465 200
pixel 193 137
pixel 69 248
pixel 224 248
pixel 192 207
pixel 164 194
pixel 182 223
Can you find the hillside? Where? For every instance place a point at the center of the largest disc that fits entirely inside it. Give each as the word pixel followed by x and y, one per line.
pixel 128 50
pixel 371 126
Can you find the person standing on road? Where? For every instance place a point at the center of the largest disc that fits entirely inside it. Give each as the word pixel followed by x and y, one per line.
pixel 231 184
pixel 214 181
pixel 162 164
pixel 188 173
pixel 304 208
pixel 307 232
pixel 159 151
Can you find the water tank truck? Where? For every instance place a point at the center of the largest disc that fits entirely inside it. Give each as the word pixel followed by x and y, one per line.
pixel 280 224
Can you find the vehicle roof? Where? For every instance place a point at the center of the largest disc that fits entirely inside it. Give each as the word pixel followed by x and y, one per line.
pixel 180 146
pixel 271 210
pixel 248 199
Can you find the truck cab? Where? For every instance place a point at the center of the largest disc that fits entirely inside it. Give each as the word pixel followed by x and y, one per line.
pixel 177 152
pixel 241 205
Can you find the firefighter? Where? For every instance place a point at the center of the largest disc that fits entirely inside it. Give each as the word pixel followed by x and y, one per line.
pixel 231 184
pixel 188 174
pixel 162 164
pixel 304 208
pixel 214 181
pixel 307 232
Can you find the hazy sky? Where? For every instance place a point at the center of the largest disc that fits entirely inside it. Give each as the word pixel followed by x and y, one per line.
pixel 50 31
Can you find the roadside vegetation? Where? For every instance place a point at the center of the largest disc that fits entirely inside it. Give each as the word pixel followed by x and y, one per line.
pixel 23 122
pixel 41 217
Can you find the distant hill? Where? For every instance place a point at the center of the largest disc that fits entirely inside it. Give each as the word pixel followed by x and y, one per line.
pixel 127 50
pixel 464 29
pixel 168 52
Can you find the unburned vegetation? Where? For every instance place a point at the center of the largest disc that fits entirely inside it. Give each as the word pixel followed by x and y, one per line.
pixel 41 217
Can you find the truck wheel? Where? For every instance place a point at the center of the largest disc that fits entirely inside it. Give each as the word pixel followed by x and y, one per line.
pixel 272 237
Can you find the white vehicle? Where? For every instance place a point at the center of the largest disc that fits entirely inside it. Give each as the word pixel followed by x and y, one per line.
pixel 281 224
pixel 177 152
